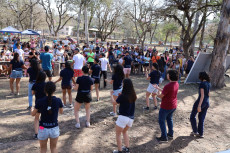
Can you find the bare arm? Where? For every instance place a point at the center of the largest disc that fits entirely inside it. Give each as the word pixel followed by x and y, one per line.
pixel 201 99
pixel 73 81
pixel 76 87
pixel 33 111
pixel 60 110
pixel 58 80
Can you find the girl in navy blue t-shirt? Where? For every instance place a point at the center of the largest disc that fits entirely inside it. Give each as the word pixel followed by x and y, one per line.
pixel 84 86
pixel 49 107
pixel 117 79
pixel 95 74
pixel 201 105
pixel 154 78
pixel 126 114
pixel 39 92
pixel 67 77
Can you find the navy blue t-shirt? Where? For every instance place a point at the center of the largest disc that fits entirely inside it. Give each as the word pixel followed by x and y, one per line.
pixel 17 65
pixel 126 108
pixel 67 75
pixel 96 69
pixel 189 64
pixel 49 120
pixel 39 89
pixel 128 61
pixel 85 83
pixel 154 77
pixel 32 74
pixel 206 86
pixel 117 82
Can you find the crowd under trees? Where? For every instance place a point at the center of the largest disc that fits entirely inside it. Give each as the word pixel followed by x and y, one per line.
pixel 190 23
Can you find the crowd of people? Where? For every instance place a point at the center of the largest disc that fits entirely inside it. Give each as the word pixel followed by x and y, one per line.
pixel 83 69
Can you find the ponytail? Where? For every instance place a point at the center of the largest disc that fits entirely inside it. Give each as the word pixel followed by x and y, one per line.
pixel 49 90
pixel 156 66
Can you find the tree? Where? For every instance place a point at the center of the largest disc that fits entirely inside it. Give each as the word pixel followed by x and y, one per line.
pixel 142 15
pixel 189 8
pixel 108 14
pixel 62 14
pixel 168 29
pixel 221 44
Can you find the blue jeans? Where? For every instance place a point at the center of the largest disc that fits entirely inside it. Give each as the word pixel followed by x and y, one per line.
pixel 164 73
pixel 166 115
pixel 201 117
pixel 30 95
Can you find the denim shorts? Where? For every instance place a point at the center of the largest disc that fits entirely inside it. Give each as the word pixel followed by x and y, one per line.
pixel 117 92
pixel 45 133
pixel 16 74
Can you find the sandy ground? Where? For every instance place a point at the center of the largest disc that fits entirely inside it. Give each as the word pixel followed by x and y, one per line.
pixel 16 124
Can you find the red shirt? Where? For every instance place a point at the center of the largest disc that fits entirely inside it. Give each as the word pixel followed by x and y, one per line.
pixel 169 101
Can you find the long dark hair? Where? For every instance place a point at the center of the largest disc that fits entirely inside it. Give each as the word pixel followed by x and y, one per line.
pixel 16 55
pixel 35 66
pixel 204 76
pixel 50 88
pixel 118 70
pixel 68 66
pixel 41 77
pixel 128 90
pixel 155 65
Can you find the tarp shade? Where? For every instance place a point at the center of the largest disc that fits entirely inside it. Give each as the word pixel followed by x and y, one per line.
pixel 10 30
pixel 30 32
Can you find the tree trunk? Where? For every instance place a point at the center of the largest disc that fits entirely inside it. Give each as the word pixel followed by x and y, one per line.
pixel 31 15
pixel 182 32
pixel 195 29
pixel 166 37
pixel 171 40
pixel 186 50
pixel 86 25
pixel 221 44
pixel 202 35
pixel 78 24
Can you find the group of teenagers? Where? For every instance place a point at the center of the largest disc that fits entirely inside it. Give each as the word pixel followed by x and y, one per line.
pixel 86 74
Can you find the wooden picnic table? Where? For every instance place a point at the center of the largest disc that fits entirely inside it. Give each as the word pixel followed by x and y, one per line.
pixel 4 62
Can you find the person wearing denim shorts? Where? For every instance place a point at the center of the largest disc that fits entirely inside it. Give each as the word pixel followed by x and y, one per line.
pixel 16 66
pixel 49 107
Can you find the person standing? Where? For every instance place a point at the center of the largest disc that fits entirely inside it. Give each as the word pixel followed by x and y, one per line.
pixel 46 59
pixel 168 105
pixel 16 66
pixel 201 105
pixel 78 62
pixel 91 57
pixel 127 64
pixel 19 51
pixel 33 55
pixel 49 106
pixel 104 64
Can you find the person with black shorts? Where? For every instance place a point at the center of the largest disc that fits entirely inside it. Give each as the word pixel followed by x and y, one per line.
pixel 95 71
pixel 67 77
pixel 46 59
pixel 84 86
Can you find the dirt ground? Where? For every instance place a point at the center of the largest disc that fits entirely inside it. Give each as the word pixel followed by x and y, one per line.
pixel 16 124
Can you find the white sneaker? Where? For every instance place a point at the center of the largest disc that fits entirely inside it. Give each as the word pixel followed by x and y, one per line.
pixel 151 98
pixel 78 126
pixel 113 114
pixel 87 124
pixel 64 106
pixel 70 105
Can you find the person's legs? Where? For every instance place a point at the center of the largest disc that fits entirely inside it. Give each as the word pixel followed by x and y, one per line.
pixel 162 118
pixel 53 145
pixel 30 95
pixel 147 98
pixel 97 90
pixel 87 110
pixel 12 85
pixel 105 77
pixel 36 123
pixel 154 95
pixel 193 118
pixel 126 136
pixel 119 130
pixel 77 106
pixel 43 146
pixel 64 96
pixel 170 122
pixel 114 105
pixel 18 84
pixel 201 117
pixel 70 95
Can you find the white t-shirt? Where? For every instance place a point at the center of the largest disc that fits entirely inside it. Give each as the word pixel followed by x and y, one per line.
pixel 91 47
pixel 117 43
pixel 20 52
pixel 104 62
pixel 78 61
pixel 72 46
pixel 120 61
pixel 66 42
